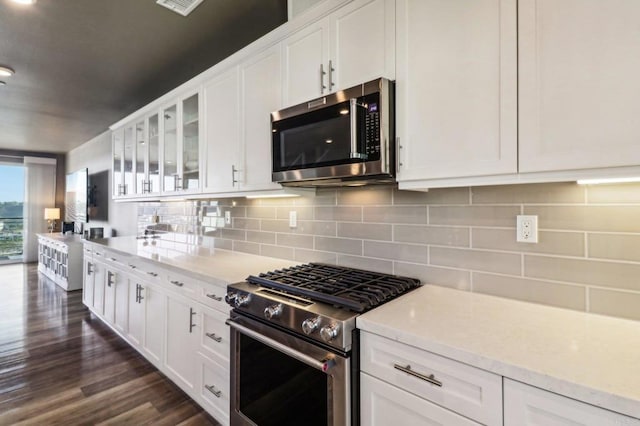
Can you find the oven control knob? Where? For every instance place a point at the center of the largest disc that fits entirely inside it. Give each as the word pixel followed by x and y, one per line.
pixel 310 325
pixel 329 332
pixel 273 311
pixel 242 300
pixel 230 298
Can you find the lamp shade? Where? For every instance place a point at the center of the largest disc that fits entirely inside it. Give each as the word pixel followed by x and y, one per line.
pixel 52 214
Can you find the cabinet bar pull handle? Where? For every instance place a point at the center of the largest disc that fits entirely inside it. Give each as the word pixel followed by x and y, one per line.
pixel 191 324
pixel 213 390
pixel 178 283
pixel 89 268
pixel 214 337
pixel 132 266
pixel 140 297
pixel 153 274
pixel 233 175
pixel 322 74
pixel 214 297
pixel 431 378
pixel 331 70
pixel 113 259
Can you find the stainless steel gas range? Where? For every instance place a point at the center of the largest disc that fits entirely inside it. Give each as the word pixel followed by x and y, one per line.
pixel 294 345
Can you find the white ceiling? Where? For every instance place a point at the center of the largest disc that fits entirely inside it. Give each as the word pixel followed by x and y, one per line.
pixel 82 65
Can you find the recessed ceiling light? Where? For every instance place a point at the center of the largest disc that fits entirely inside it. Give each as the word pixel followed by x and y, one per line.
pixel 25 1
pixel 6 72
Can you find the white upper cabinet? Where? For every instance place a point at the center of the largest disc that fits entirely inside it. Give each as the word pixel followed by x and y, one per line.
pixel 306 60
pixel 117 150
pixel 261 94
pixel 579 100
pixel 222 121
pixel 362 47
pixel 353 45
pixel 238 105
pixel 456 90
pixel 180 129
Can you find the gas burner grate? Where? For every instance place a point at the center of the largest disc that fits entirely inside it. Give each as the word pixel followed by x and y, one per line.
pixel 349 288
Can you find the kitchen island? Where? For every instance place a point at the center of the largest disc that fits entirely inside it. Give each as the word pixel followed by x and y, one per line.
pixel 558 355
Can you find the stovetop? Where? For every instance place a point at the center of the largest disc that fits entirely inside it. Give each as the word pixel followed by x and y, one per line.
pixel 353 289
pixel 316 300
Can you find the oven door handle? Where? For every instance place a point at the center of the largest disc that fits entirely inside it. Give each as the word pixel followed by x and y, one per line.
pixel 323 365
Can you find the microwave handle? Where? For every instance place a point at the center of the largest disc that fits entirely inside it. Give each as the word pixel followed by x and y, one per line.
pixel 353 112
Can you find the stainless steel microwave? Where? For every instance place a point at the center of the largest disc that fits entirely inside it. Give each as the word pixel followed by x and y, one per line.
pixel 345 138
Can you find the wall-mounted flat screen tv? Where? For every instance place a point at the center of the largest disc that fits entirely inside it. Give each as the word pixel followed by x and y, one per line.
pixel 75 199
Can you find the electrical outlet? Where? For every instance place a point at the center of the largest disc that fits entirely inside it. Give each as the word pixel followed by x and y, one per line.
pixel 527 228
pixel 227 217
pixel 293 219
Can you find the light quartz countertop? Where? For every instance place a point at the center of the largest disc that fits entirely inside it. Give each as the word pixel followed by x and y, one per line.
pixel 588 357
pixel 57 236
pixel 194 256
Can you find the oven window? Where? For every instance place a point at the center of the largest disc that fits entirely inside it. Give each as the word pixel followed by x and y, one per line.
pixel 275 389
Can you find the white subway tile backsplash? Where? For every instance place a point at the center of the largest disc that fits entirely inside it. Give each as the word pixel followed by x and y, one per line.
pixel 587 258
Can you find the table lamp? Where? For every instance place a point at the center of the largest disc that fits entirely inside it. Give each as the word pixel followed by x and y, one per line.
pixel 51 215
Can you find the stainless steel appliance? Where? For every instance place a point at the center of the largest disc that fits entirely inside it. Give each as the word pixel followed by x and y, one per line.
pixel 346 138
pixel 294 345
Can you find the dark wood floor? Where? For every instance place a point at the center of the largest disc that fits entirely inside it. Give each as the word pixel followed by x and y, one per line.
pixel 61 365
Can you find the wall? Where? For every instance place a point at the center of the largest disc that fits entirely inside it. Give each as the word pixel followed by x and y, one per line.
pixel 96 156
pixel 587 258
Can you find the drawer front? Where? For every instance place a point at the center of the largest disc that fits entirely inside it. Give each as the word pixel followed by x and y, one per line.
pixel 382 404
pixel 214 338
pixel 213 296
pixel 467 390
pixel 185 285
pixel 213 391
pixel 526 405
pixel 116 259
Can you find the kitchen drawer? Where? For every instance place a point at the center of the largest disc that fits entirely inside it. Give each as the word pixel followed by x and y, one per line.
pixel 383 404
pixel 526 405
pixel 116 259
pixel 467 390
pixel 212 296
pixel 186 285
pixel 214 337
pixel 144 270
pixel 213 390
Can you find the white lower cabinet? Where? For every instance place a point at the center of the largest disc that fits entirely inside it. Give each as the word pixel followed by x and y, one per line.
pixel 182 339
pixel 383 404
pixel 135 331
pixel 213 387
pixel 454 386
pixel 526 405
pixel 154 321
pixel 175 321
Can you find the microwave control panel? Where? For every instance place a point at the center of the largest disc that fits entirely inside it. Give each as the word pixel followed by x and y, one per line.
pixel 372 125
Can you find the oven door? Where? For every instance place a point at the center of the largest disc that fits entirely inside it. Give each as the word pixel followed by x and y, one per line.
pixel 279 379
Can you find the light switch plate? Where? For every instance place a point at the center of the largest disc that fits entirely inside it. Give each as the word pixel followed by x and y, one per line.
pixel 227 217
pixel 293 219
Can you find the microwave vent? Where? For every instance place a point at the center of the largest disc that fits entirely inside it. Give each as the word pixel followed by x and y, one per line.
pixel 183 7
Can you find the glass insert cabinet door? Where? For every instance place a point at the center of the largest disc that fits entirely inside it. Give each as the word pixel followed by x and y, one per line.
pixel 171 178
pixel 190 143
pixel 117 152
pixel 129 153
pixel 153 137
pixel 141 150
